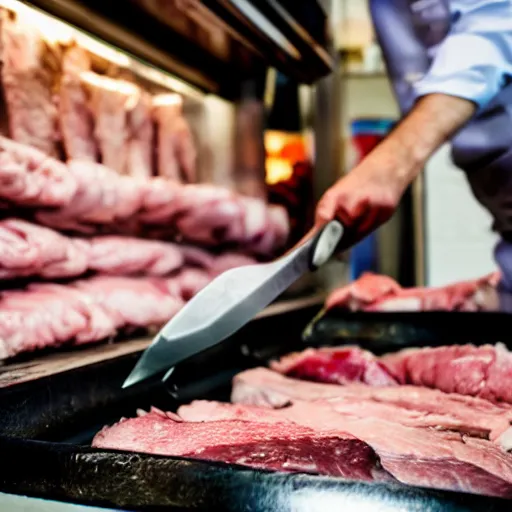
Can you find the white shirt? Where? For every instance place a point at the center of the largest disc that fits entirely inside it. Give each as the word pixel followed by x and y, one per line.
pixel 474 61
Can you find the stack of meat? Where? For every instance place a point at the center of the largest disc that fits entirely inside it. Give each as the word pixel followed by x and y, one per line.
pixel 94 173
pixel 57 103
pixel 434 417
pixel 373 292
pixel 138 283
pixel 86 197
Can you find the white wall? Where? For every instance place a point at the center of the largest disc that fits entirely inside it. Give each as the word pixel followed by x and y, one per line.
pixel 459 242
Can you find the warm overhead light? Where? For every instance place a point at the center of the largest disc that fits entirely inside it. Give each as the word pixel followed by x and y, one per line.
pixel 55 31
pixel 165 100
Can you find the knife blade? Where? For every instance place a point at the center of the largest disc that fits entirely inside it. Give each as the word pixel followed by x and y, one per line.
pixel 230 301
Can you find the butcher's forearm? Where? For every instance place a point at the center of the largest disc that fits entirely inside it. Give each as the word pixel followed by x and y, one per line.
pixel 432 122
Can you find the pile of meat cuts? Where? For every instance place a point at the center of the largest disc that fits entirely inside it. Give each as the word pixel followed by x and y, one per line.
pixel 100 200
pixel 372 292
pixel 433 417
pixel 69 104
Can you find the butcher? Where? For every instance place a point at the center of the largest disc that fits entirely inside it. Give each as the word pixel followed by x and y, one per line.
pixel 450 64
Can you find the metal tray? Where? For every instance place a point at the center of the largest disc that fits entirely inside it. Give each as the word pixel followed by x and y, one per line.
pixel 47 424
pixel 390 331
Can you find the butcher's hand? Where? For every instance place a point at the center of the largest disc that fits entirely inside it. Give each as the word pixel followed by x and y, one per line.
pixel 369 194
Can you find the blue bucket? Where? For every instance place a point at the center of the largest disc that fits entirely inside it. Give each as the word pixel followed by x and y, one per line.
pixel 364 255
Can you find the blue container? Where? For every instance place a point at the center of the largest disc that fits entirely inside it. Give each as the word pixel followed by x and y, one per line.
pixel 364 255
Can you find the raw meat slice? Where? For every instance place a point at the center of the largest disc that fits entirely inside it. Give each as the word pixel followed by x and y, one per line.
pixel 365 291
pixel 93 197
pixel 48 315
pixel 338 365
pixel 28 82
pixel 127 256
pixel 380 293
pixel 76 121
pixel 135 302
pixel 27 249
pixel 191 281
pixel 28 177
pixel 414 456
pixel 408 405
pixel 483 371
pixel 110 100
pixel 140 142
pixel 176 153
pixel 225 432
pixel 465 369
pixel 101 197
pixel 277 446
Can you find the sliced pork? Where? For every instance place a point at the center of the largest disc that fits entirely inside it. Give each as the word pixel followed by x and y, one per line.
pixel 482 371
pixel 49 315
pixel 75 116
pixel 101 198
pixel 426 458
pixel 411 406
pixel 93 197
pixel 110 100
pixel 140 136
pixel 28 81
pixel 27 249
pixel 119 255
pixel 231 433
pixel 176 154
pixel 278 445
pixel 339 365
pixel 381 293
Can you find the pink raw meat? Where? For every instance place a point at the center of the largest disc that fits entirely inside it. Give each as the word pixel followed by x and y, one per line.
pixel 126 256
pixel 368 289
pixel 465 369
pixel 408 405
pixel 140 141
pixel 76 121
pixel 380 293
pixel 29 177
pixel 338 365
pixel 475 371
pixel 140 302
pixel 93 197
pixel 109 102
pixel 47 316
pixel 27 249
pixel 286 446
pixel 176 154
pixel 28 81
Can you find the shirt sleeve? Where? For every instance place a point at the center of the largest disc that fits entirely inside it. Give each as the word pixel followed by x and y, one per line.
pixel 475 60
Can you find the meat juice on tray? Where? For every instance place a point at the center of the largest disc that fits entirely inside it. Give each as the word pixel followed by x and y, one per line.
pixel 430 432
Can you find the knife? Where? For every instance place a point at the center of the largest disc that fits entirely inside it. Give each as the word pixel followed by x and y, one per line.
pixel 230 301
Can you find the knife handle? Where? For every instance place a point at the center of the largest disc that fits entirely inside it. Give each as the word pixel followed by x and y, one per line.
pixel 324 244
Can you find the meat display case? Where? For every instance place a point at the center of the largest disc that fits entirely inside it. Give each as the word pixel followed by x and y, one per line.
pixel 214 45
